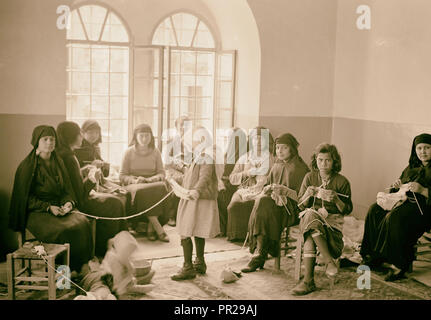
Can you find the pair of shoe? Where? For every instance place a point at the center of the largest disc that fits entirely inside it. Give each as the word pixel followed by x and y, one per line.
pixel 172 223
pixel 163 237
pixel 200 266
pixel 254 264
pixel 187 272
pixel 304 288
pixel 152 236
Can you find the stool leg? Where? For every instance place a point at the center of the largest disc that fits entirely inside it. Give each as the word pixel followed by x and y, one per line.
pixel 93 231
pixel 277 263
pixel 10 277
pixel 298 258
pixel 52 286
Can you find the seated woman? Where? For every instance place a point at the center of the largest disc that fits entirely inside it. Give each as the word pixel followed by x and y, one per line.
pixel 276 208
pixel 43 200
pixel 237 146
pixel 97 204
pixel 143 175
pixel 89 154
pixel 389 236
pixel 250 175
pixel 326 197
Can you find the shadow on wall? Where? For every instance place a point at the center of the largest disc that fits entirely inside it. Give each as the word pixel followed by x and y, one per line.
pixel 8 238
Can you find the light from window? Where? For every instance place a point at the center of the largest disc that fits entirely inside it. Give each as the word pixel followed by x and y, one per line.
pixel 98 76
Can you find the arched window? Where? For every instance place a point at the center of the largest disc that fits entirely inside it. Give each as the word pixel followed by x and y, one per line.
pixel 98 75
pixel 199 79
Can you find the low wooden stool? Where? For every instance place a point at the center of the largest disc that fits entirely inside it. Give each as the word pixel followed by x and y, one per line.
pixel 24 255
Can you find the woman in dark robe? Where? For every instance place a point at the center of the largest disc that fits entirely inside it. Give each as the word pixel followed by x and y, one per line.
pixel 89 154
pixel 276 208
pixel 390 236
pixel 97 204
pixel 250 176
pixel 43 200
pixel 237 146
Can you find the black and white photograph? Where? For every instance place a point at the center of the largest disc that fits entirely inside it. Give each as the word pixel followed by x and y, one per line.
pixel 228 152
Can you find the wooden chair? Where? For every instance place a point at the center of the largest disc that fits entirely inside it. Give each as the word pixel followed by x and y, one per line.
pixel 28 279
pixel 285 245
pixel 423 243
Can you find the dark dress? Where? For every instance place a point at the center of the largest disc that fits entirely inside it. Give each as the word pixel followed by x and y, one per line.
pixel 87 153
pixel 39 185
pixel 390 236
pixel 330 228
pixel 267 218
pixel 224 198
pixel 97 204
pixel 241 204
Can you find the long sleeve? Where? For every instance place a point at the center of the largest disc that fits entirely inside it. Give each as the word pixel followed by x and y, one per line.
pixel 305 184
pixel 237 174
pixel 125 177
pixel 35 204
pixel 345 189
pixel 206 172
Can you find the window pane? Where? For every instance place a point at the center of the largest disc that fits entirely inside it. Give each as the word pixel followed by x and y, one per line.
pixel 114 30
pixel 204 38
pixel 164 34
pixel 119 108
pixel 118 131
pixel 104 125
pixel 119 59
pixel 116 153
pixel 185 25
pixel 175 86
pixel 100 107
pixel 93 18
pixel 225 93
pixel 175 62
pixel 100 59
pixel 224 119
pixel 205 63
pixel 119 84
pixel 80 106
pixel 204 108
pixel 75 32
pixel 187 106
pixel 225 66
pixel 204 86
pixel 81 82
pixel 188 86
pixel 80 58
pixel 188 62
pixel 100 83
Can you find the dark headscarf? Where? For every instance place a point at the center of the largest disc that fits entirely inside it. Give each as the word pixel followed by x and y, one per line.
pixel 289 140
pixel 40 132
pixel 414 161
pixel 24 178
pixel 142 128
pixel 91 125
pixel 67 132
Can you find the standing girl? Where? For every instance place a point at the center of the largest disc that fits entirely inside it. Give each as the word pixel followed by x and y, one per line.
pixel 198 216
pixel 326 197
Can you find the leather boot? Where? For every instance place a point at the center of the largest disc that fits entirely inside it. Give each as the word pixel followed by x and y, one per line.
pixel 187 271
pixel 199 264
pixel 303 288
pixel 258 261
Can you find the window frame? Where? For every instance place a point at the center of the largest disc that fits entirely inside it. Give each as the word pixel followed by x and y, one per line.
pixel 108 44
